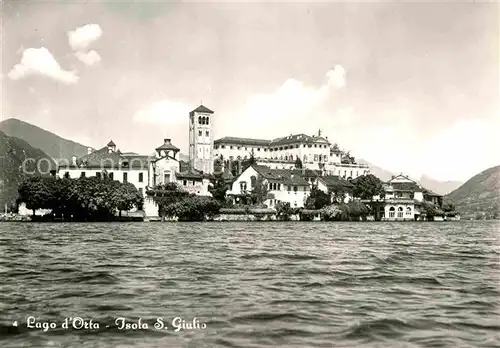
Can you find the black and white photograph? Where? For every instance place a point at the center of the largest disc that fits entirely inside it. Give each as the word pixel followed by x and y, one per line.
pixel 249 174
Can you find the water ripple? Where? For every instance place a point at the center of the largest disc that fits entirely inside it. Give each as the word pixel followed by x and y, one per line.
pixel 254 285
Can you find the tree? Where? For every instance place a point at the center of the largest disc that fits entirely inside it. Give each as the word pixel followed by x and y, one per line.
pixel 35 193
pixel 367 186
pixel 219 189
pixel 317 199
pixel 125 196
pixel 249 162
pixel 283 211
pixel 448 207
pixel 260 190
pixel 173 201
pixel 298 163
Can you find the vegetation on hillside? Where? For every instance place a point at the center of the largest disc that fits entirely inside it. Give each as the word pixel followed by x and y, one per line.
pixel 479 197
pixel 50 143
pixel 18 161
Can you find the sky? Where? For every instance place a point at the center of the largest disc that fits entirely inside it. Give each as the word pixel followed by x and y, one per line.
pixel 410 87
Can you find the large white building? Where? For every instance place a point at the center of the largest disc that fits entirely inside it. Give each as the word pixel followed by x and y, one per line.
pixel 314 152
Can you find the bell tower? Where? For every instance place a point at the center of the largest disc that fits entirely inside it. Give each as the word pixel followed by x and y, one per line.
pixel 201 139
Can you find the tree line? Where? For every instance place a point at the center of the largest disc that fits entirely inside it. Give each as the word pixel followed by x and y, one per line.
pixel 82 199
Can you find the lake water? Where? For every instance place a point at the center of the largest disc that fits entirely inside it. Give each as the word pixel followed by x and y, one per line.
pixel 252 284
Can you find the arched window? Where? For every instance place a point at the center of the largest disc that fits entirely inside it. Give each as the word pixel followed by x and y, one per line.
pixel 199 119
pixel 392 212
pixel 208 120
pixel 305 158
pixel 253 181
pixel 400 212
pixel 408 210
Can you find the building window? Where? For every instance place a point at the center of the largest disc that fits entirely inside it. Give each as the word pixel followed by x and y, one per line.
pixel 140 191
pixel 66 175
pixel 199 133
pixel 98 175
pixel 315 158
pixel 199 119
pixel 184 182
pixel 253 181
pixel 258 149
pixel 400 212
pixel 408 211
pixel 193 182
pixel 279 187
pixel 208 120
pixel 141 177
pixel 207 133
pixel 295 189
pixel 231 147
pixel 315 145
pixel 223 146
pixel 392 212
pixel 125 177
pixel 239 147
pixel 82 174
pixel 110 175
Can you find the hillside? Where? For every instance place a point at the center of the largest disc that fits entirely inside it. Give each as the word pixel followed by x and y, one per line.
pixel 441 187
pixel 380 173
pixel 480 195
pixel 50 143
pixel 14 153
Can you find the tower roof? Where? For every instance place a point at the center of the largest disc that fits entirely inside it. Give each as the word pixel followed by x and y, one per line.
pixel 204 109
pixel 111 143
pixel 167 145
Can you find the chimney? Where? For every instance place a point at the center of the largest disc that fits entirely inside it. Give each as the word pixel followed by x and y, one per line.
pixel 73 160
pixel 166 141
pixel 89 150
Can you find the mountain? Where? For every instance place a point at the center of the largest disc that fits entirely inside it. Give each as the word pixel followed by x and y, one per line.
pixel 441 187
pixel 50 143
pixel 380 173
pixel 479 196
pixel 19 159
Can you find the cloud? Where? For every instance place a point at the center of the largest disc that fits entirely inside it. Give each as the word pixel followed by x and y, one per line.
pixel 164 112
pixel 290 103
pixel 39 61
pixel 458 151
pixel 89 58
pixel 82 37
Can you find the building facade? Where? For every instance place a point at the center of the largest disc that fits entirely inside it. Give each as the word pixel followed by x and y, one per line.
pixel 314 152
pixel 406 200
pixel 282 185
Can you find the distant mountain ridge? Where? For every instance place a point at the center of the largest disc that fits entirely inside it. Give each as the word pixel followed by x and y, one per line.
pixel 50 143
pixel 19 159
pixel 441 187
pixel 480 195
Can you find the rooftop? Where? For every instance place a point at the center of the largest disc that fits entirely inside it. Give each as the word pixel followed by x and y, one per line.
pixel 202 109
pixel 167 145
